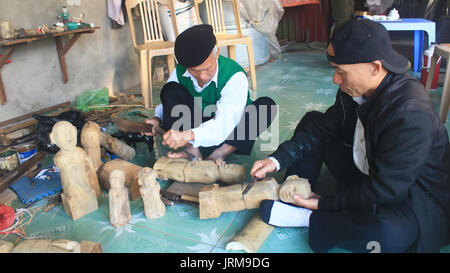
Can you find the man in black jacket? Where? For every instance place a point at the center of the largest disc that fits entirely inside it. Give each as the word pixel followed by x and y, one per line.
pixel 384 144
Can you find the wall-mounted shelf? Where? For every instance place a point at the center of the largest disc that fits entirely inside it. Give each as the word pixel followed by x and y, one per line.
pixel 61 49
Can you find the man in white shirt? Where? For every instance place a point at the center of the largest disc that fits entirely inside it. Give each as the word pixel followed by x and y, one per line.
pixel 206 102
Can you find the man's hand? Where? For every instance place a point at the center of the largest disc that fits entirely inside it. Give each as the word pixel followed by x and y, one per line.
pixel 262 167
pixel 176 139
pixel 311 203
pixel 155 121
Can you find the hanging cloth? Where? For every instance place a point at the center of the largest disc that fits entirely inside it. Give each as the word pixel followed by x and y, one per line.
pixel 115 11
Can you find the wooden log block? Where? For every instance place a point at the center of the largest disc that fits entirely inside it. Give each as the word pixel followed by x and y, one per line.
pixel 6 247
pixel 47 246
pixel 50 246
pixel 251 237
pixel 116 146
pixel 9 138
pixel 90 247
pixel 131 175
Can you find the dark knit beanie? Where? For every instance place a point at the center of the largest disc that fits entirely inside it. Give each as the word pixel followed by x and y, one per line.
pixel 194 45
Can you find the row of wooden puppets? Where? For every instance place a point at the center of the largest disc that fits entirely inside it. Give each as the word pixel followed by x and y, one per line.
pixel 84 175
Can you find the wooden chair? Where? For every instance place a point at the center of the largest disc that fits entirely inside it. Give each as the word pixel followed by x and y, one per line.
pixel 214 10
pixel 153 40
pixel 442 50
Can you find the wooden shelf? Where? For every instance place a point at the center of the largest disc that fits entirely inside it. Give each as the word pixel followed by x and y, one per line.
pixel 60 49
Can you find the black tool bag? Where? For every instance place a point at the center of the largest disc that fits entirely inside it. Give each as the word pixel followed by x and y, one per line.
pixel 45 125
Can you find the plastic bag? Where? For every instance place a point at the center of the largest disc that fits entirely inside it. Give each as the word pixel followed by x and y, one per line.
pixel 45 126
pixel 92 97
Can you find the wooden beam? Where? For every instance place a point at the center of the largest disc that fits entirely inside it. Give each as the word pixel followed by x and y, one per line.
pixel 72 41
pixel 62 60
pixel 29 115
pixel 8 51
pixel 3 99
pixel 29 123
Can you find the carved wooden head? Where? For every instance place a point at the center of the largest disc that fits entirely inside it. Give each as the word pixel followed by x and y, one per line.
pixel 64 135
pixel 117 179
pixel 147 177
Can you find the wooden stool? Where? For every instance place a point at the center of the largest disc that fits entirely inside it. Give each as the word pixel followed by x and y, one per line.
pixel 442 50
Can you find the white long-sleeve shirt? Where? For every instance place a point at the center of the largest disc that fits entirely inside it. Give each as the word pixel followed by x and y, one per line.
pixel 230 109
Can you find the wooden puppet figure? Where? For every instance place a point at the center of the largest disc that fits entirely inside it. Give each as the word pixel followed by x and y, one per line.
pixel 213 200
pixel 294 185
pixel 153 206
pixel 119 205
pixel 90 139
pixel 253 235
pixel 198 171
pixel 78 177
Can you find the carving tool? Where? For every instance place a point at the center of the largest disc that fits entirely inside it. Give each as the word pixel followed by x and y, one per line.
pixel 181 198
pixel 167 202
pixel 133 126
pixel 178 197
pixel 249 186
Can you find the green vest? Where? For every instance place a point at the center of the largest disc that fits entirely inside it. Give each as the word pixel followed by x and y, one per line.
pixel 211 94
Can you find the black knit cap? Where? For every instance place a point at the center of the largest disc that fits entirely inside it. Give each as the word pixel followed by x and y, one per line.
pixel 194 45
pixel 364 41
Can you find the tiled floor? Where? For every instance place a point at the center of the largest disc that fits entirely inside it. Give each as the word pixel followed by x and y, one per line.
pixel 298 82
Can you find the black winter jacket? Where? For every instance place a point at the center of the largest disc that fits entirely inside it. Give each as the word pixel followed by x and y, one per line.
pixel 407 150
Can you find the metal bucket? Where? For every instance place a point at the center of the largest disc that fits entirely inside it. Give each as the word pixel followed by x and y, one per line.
pixel 8 160
pixel 26 152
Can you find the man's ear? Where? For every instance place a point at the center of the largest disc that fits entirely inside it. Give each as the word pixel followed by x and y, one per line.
pixel 218 53
pixel 330 49
pixel 376 67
